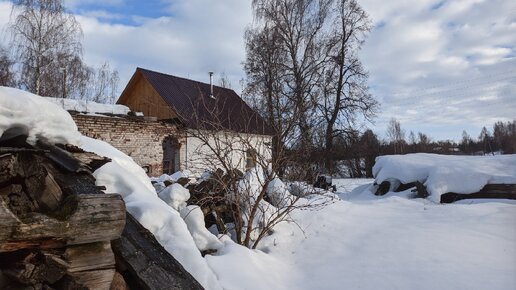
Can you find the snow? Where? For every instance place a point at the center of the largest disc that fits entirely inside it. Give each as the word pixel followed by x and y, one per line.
pixel 89 106
pixel 194 219
pixel 25 113
pixel 125 177
pixel 392 242
pixel 359 241
pixel 175 195
pixel 445 173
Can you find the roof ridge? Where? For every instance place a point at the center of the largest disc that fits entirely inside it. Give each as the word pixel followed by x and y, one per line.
pixel 183 78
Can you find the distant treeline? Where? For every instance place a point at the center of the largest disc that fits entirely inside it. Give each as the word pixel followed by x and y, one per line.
pixel 357 153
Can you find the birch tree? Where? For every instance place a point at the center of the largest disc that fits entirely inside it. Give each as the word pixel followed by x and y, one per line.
pixel 46 41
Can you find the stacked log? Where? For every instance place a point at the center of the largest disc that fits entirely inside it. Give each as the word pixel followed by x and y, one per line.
pixel 58 230
pixel 491 191
pixel 56 226
pixel 210 196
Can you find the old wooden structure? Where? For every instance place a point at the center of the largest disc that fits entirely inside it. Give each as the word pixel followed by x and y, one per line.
pixel 58 229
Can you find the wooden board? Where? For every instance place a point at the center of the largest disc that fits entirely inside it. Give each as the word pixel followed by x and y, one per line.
pixel 146 264
pixel 82 219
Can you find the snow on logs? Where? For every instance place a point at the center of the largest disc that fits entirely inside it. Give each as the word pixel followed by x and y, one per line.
pixel 446 179
pixel 56 226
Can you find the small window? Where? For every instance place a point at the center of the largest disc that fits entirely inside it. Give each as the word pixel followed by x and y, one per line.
pixel 250 159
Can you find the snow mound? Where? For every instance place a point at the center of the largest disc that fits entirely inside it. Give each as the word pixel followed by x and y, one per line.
pixel 89 106
pixel 125 177
pixel 278 193
pixel 28 114
pixel 194 219
pixel 175 196
pixel 444 173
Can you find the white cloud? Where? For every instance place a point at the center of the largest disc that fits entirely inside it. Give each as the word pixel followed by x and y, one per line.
pixel 451 61
pixel 437 66
pixel 200 36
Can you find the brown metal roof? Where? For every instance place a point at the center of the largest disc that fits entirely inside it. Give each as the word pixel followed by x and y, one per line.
pixel 192 102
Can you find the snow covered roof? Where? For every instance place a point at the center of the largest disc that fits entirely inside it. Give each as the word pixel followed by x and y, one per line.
pixel 89 106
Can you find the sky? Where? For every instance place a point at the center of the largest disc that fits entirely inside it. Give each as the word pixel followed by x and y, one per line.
pixel 438 67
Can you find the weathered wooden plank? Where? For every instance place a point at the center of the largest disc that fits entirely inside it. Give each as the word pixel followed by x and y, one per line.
pixel 146 264
pixel 81 219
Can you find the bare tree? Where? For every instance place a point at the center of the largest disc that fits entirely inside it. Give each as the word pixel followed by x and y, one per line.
pixel 46 41
pixel 104 84
pixel 7 77
pixel 264 91
pixel 297 28
pixel 345 92
pixel 224 81
pixel 396 135
pixel 254 201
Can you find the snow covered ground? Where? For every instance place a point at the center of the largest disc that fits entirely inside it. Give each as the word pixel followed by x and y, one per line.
pixel 360 241
pixel 365 242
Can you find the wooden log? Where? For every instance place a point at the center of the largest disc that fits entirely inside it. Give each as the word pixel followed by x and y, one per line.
pixel 146 264
pixel 118 282
pixel 94 280
pixel 81 219
pixel 495 191
pixel 89 257
pixel 383 188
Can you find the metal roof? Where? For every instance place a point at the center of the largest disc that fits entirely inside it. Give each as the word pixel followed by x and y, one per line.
pixel 195 107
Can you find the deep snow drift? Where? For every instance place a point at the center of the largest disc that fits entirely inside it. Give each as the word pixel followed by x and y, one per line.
pixel 359 242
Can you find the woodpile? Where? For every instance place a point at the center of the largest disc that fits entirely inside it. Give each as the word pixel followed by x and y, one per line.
pixel 210 196
pixel 58 229
pixel 504 191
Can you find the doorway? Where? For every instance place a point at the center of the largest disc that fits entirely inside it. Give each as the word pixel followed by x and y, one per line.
pixel 171 155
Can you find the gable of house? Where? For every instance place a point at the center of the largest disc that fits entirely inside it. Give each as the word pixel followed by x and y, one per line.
pixel 169 97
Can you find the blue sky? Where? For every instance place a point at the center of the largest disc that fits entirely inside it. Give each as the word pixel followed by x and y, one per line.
pixel 126 12
pixel 437 66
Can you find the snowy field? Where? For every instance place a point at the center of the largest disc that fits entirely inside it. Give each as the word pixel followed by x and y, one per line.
pixel 366 242
pixel 360 241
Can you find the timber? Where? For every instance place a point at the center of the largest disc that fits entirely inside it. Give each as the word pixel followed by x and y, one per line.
pixel 57 227
pixel 146 264
pixel 96 218
pixel 496 191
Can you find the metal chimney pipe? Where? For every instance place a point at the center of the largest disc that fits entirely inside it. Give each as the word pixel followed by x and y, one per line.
pixel 211 84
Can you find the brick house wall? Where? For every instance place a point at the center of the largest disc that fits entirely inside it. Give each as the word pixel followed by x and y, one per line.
pixel 142 140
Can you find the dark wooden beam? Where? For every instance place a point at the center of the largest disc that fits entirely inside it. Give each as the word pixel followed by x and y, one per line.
pixel 145 264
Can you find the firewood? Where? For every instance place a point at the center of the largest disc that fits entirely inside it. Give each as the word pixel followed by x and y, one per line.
pixel 94 280
pixel 30 268
pixel 89 257
pixel 118 282
pixel 81 219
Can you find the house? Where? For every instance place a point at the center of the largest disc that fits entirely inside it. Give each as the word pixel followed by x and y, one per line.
pixel 206 118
